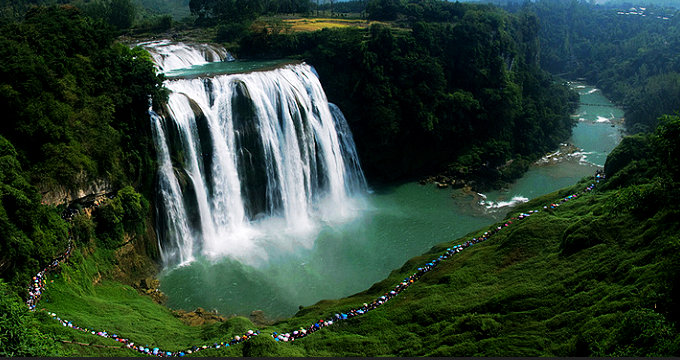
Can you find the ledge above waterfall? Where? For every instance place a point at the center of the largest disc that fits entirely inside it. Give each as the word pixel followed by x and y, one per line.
pixel 228 68
pixel 170 55
pixel 192 60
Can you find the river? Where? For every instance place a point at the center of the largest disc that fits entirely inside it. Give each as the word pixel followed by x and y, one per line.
pixel 386 227
pixel 599 130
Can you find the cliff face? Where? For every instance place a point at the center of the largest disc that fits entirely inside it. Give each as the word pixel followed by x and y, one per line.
pixel 102 217
pixel 57 195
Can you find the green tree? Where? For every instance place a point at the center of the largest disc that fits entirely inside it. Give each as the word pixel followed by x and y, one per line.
pixel 19 334
pixel 209 12
pixel 121 13
pixel 135 208
pixel 383 9
pixel 644 332
pixel 82 228
pixel 666 141
pixel 109 222
pixel 31 233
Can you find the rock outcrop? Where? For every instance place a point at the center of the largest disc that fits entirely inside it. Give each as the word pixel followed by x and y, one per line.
pixel 57 195
pixel 198 317
pixel 151 287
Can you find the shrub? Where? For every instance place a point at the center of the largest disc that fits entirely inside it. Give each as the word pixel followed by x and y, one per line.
pixel 236 326
pixel 134 209
pixel 82 228
pixel 631 148
pixel 579 236
pixel 18 329
pixel 108 218
pixel 261 346
pixel 644 332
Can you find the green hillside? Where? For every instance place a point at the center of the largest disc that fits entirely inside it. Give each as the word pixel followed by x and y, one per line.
pixel 595 275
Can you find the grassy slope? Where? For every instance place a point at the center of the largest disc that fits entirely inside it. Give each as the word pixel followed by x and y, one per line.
pixel 518 294
pixel 78 294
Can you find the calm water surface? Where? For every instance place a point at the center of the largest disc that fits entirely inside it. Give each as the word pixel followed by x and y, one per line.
pixel 225 67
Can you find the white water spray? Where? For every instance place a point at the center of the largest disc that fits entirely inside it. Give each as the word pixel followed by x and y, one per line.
pixel 251 162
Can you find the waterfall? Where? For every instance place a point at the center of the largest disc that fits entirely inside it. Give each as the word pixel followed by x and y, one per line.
pixel 170 56
pixel 176 228
pixel 251 162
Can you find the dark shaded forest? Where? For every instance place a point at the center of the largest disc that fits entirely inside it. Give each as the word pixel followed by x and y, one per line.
pixel 465 96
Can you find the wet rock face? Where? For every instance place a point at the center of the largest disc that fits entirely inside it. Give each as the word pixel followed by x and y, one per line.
pixel 443 181
pixel 259 318
pixel 565 152
pixel 201 316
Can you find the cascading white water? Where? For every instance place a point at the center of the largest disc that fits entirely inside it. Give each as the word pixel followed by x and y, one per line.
pixel 251 162
pixel 177 229
pixel 170 55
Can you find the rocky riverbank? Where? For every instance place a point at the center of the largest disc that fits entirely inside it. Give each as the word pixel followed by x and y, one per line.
pixel 482 179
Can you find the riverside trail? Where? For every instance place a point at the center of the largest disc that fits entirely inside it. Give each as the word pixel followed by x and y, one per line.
pixel 37 288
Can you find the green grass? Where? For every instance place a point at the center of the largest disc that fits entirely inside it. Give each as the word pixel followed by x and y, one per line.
pixel 118 309
pixel 558 283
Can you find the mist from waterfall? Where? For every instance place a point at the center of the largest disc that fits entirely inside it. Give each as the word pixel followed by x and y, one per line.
pixel 251 165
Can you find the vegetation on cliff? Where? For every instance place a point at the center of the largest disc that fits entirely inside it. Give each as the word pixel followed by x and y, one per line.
pixel 75 108
pixel 433 96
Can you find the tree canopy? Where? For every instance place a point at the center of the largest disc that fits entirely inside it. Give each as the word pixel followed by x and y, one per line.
pixel 451 94
pixel 630 54
pixel 76 110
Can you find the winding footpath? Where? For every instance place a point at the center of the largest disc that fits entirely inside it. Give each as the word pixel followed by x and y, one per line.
pixel 37 287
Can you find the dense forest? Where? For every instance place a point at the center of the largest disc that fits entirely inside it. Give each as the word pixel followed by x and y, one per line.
pixel 451 87
pixel 435 86
pixel 76 105
pixel 435 96
pixel 630 52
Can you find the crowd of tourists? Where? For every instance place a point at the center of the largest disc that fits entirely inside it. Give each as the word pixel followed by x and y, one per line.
pixel 39 281
pixel 156 351
pixel 366 307
pixel 302 332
